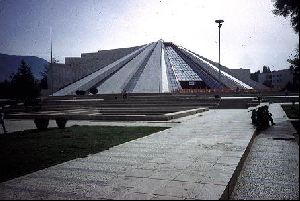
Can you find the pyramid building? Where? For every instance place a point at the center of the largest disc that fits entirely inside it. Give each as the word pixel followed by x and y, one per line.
pixel 158 67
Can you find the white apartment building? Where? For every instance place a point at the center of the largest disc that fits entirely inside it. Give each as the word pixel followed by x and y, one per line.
pixel 279 79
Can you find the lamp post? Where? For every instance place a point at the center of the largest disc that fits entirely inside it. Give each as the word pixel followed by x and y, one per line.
pixel 220 24
pixel 51 61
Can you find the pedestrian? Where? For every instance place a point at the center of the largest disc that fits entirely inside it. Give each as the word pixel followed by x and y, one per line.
pixel 269 115
pixel 293 104
pixel 260 118
pixel 259 99
pixel 254 117
pixel 286 93
pixel 2 119
pixel 124 94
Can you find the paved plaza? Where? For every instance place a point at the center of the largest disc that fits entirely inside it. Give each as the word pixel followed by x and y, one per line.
pixel 197 158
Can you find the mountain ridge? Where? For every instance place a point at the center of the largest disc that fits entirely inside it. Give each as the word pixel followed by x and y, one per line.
pixel 10 63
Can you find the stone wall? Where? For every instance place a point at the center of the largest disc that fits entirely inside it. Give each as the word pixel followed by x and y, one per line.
pixel 59 76
pixel 241 73
pixel 76 68
pixel 98 76
pixel 91 62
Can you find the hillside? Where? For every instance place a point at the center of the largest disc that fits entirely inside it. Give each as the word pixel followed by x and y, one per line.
pixel 10 63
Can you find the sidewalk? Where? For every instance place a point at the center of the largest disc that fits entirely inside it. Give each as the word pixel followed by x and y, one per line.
pixel 271 170
pixel 195 159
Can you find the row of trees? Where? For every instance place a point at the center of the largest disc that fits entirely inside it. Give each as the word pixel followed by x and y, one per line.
pixel 22 85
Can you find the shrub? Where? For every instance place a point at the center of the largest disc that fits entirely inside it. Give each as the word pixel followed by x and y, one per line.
pixel 93 90
pixel 41 123
pixel 80 92
pixel 61 122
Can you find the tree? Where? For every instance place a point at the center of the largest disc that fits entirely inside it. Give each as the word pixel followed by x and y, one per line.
pixel 288 8
pixel 254 76
pixel 44 73
pixel 295 69
pixel 23 84
pixel 266 69
pixel 93 90
pixel 294 61
pixel 296 75
pixel 5 89
pixel 44 80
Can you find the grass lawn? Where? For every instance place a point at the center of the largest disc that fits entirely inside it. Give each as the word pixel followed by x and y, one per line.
pixel 28 151
pixel 293 113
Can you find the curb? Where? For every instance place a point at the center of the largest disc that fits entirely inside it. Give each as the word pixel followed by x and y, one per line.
pixel 230 186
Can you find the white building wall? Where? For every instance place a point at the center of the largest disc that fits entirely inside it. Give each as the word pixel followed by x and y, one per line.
pixel 96 77
pixel 279 79
pixel 164 76
pixel 150 79
pixel 60 75
pixel 117 82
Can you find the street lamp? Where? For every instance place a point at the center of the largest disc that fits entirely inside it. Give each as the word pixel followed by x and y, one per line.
pixel 220 24
pixel 51 61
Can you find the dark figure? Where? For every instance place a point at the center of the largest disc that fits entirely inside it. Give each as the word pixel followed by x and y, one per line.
pixel 259 118
pixel 269 116
pixel 286 92
pixel 262 118
pixel 217 96
pixel 125 95
pixel 271 119
pixel 293 104
pixel 259 99
pixel 254 117
pixel 2 120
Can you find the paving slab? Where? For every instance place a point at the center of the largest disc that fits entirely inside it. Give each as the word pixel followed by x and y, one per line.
pixel 194 159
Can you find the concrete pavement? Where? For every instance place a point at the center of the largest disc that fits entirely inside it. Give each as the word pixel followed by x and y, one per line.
pixel 195 159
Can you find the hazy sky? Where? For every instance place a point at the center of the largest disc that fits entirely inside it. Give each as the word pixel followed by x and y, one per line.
pixel 251 36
